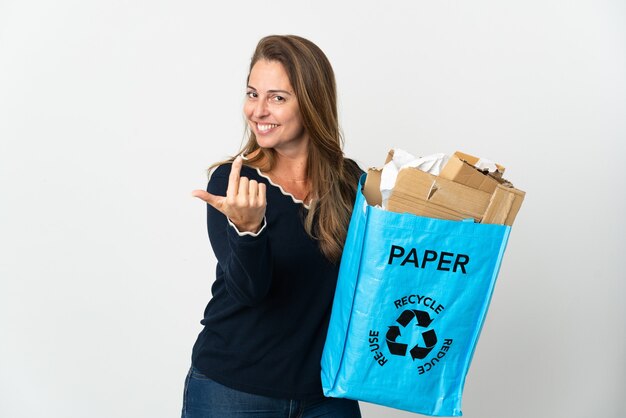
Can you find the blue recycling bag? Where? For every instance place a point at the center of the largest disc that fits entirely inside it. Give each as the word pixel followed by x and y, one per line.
pixel 411 299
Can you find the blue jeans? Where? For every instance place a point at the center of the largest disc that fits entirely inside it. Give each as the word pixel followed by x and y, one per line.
pixel 205 398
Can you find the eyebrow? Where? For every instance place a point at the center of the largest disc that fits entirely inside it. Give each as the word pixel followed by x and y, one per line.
pixel 273 91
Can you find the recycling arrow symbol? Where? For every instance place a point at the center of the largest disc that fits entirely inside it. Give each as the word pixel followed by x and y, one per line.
pixel 422 320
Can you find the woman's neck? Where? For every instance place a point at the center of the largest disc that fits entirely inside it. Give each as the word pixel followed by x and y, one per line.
pixel 290 169
pixel 290 173
pixel 287 168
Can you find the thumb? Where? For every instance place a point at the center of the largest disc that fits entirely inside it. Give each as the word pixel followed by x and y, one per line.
pixel 211 199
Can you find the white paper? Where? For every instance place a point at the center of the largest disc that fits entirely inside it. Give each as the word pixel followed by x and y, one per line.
pixel 484 164
pixel 401 159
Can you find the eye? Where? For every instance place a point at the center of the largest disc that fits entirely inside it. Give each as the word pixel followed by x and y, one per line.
pixel 278 99
pixel 252 94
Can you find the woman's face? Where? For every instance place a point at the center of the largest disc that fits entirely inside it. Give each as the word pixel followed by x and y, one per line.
pixel 272 110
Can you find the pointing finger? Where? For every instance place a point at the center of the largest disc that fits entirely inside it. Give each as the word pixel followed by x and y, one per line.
pixel 233 178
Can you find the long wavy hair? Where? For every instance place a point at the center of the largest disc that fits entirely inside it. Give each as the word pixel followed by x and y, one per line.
pixel 333 178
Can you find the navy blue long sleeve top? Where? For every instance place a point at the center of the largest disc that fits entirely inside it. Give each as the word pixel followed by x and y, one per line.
pixel 266 323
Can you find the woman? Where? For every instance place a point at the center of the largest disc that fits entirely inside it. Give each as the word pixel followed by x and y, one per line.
pixel 277 224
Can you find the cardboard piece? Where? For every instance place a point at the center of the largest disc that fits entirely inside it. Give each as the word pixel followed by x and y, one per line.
pixel 371 188
pixel 460 168
pixel 503 206
pixel 432 196
pixel 470 159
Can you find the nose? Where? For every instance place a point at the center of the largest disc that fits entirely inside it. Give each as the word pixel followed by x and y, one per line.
pixel 260 109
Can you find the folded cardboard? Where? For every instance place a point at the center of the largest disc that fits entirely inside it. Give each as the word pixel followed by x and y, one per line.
pixel 470 159
pixel 432 196
pixel 503 207
pixel 461 169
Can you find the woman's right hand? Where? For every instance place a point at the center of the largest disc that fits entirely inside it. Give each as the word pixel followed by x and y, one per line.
pixel 244 203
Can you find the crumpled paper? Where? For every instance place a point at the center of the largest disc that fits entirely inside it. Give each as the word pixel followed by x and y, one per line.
pixel 401 159
pixel 484 164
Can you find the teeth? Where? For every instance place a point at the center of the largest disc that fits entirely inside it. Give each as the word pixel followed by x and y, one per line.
pixel 266 127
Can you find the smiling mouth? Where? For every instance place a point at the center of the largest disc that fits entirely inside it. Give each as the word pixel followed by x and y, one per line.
pixel 265 127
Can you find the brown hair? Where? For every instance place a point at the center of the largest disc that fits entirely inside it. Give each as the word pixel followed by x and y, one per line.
pixel 333 178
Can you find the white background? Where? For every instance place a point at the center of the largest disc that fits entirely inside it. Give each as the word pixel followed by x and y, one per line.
pixel 111 111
